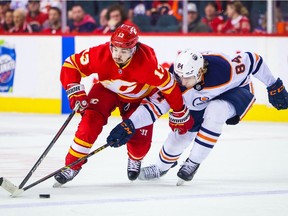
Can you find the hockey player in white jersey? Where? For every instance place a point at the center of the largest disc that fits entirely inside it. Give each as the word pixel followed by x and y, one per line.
pixel 217 90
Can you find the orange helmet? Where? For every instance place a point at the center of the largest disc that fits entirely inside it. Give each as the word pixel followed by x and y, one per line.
pixel 125 36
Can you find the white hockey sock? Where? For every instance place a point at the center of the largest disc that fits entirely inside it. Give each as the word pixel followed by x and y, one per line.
pixel 203 144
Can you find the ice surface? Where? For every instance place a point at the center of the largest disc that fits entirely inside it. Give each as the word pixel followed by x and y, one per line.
pixel 245 174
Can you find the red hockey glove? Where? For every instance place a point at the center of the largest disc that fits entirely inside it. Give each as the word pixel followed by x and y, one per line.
pixel 181 121
pixel 77 95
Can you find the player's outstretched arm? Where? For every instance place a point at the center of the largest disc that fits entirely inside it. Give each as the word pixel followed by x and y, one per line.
pixel 278 95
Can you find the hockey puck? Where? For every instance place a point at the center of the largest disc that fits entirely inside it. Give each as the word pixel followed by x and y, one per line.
pixel 44 195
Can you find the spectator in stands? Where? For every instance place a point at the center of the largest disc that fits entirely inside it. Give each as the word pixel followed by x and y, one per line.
pixel 262 25
pixel 81 21
pixel 194 20
pixel 139 8
pixel 4 6
pixel 35 18
pixel 163 7
pixel 103 22
pixel 15 4
pixel 160 8
pixel 116 16
pixel 8 21
pixel 20 24
pixel 54 19
pixel 45 5
pixel 237 21
pixel 212 19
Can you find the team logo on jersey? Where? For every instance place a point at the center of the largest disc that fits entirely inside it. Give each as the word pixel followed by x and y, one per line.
pixel 94 100
pixel 200 101
pixel 194 56
pixel 198 87
pixel 84 59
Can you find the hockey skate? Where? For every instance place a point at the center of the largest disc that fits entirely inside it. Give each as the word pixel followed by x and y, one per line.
pixel 153 172
pixel 133 169
pixel 65 176
pixel 187 171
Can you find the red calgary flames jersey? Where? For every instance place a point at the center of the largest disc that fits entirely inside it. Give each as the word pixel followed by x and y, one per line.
pixel 132 82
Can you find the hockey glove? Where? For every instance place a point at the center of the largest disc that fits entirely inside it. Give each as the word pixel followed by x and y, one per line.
pixel 181 121
pixel 77 95
pixel 121 134
pixel 278 95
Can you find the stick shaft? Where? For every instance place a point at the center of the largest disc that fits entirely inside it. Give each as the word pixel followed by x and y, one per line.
pixel 48 148
pixel 65 167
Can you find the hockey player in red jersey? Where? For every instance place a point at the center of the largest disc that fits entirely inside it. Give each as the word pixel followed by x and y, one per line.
pixel 129 75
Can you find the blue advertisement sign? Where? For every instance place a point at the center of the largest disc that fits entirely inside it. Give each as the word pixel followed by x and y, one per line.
pixel 7 66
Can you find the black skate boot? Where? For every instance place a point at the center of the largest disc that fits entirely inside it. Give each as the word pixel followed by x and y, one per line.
pixel 187 171
pixel 65 176
pixel 133 169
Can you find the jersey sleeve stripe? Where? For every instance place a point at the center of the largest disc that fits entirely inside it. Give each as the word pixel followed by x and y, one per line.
pixel 165 83
pixel 169 90
pixel 257 56
pixel 69 65
pixel 251 62
pixel 258 66
pixel 72 58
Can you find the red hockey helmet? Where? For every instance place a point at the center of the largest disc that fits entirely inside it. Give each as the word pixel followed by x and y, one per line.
pixel 125 36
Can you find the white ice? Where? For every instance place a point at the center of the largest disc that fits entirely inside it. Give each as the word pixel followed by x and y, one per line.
pixel 245 174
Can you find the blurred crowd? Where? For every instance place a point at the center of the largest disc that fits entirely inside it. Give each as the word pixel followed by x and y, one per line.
pixel 102 17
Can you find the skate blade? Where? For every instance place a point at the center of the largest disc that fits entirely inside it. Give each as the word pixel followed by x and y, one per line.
pixel 180 182
pixel 57 185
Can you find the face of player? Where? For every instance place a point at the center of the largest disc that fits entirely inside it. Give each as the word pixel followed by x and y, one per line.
pixel 121 56
pixel 188 82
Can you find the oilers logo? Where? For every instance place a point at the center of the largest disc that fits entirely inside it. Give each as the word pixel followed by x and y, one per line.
pixel 200 101
pixel 7 67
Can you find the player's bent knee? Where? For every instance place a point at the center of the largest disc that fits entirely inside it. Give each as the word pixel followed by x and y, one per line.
pixel 91 125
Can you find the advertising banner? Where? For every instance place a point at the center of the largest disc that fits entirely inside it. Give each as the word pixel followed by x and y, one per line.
pixel 7 66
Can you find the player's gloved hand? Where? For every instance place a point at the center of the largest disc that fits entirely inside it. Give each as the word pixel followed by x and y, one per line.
pixel 121 134
pixel 181 121
pixel 278 95
pixel 77 95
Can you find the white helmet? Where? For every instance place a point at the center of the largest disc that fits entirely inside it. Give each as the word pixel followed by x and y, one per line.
pixel 188 64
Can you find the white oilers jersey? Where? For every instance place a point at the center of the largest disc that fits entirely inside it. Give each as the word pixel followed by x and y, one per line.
pixel 225 73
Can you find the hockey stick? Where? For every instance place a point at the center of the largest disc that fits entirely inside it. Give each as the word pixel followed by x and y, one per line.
pixel 49 146
pixel 15 191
